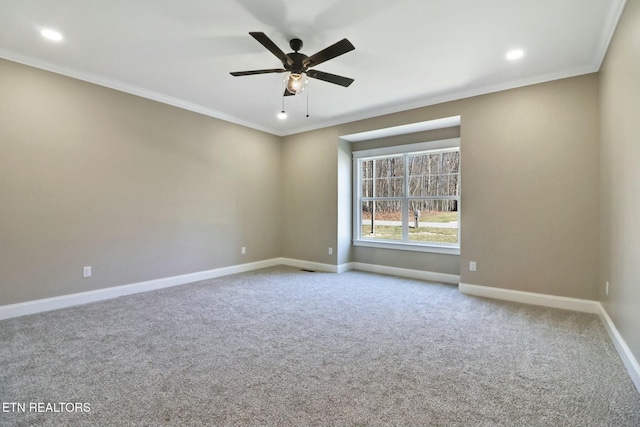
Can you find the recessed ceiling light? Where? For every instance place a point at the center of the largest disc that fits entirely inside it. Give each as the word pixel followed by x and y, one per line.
pixel 515 54
pixel 282 115
pixel 50 34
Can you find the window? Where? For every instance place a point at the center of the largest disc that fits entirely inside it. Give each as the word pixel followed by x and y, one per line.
pixel 408 197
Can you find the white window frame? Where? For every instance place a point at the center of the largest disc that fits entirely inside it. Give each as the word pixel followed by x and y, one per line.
pixel 405 150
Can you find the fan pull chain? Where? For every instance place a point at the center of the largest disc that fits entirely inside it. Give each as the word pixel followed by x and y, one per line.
pixel 307 101
pixel 282 115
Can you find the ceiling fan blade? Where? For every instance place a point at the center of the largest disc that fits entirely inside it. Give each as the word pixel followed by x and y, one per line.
pixel 331 78
pixel 336 49
pixel 252 72
pixel 271 46
pixel 287 93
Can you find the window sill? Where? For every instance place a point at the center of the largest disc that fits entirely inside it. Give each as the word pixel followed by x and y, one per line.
pixel 416 247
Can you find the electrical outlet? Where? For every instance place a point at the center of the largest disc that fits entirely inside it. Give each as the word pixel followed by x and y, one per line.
pixel 472 266
pixel 606 288
pixel 243 250
pixel 330 251
pixel 86 271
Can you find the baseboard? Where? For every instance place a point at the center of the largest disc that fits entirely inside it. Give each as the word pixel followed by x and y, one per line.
pixel 575 304
pixel 54 303
pixel 309 265
pixel 345 267
pixel 405 272
pixel 372 268
pixel 630 362
pixel 63 301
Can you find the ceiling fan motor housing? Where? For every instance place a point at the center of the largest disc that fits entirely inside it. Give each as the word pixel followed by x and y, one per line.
pixel 297 67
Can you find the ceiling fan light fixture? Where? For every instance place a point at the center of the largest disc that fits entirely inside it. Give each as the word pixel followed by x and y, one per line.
pixel 282 115
pixel 296 82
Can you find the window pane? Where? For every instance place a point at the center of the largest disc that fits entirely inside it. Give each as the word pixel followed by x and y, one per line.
pixel 432 182
pixel 434 174
pixel 453 186
pixel 451 162
pixel 389 187
pixel 382 220
pixel 366 178
pixel 417 185
pixel 434 221
pixel 367 188
pixel 389 177
pixel 433 163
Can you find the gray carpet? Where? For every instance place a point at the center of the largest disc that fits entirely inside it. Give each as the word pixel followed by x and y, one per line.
pixel 290 348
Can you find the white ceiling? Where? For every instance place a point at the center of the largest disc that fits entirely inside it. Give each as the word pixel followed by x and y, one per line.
pixel 409 53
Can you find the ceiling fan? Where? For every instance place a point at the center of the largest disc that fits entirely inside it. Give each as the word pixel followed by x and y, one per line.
pixel 298 64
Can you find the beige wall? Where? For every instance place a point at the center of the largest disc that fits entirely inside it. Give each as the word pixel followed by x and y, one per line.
pixel 141 190
pixel 345 201
pixel 137 189
pixel 620 178
pixel 529 189
pixel 310 196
